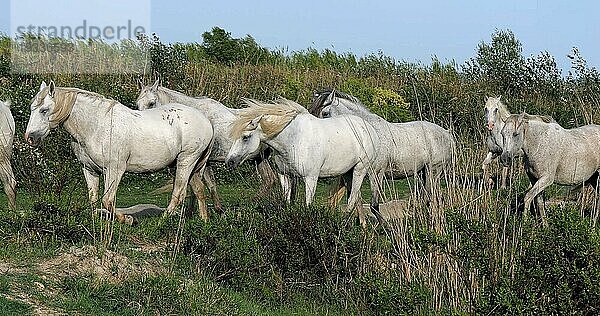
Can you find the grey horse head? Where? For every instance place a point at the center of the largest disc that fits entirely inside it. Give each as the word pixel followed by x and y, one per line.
pixel 324 104
pixel 513 135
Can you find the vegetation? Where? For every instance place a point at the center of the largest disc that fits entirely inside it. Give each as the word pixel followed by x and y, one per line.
pixel 466 252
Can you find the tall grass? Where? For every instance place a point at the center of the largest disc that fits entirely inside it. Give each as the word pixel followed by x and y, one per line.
pixel 467 249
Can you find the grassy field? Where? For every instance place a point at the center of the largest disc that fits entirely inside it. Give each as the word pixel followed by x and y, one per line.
pixel 138 273
pixel 467 249
pixel 145 269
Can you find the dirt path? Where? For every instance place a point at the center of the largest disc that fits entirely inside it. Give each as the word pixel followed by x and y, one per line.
pixel 106 265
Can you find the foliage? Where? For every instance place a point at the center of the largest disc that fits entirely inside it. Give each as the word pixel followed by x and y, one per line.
pixel 391 106
pixel 473 256
pixel 219 46
pixel 557 272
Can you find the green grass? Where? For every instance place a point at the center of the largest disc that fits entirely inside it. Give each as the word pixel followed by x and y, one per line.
pixel 173 292
pixel 164 295
pixel 12 307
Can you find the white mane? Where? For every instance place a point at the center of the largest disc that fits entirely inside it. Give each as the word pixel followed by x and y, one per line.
pixel 276 116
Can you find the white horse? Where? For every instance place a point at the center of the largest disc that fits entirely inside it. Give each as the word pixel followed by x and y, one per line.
pixel 7 133
pixel 552 154
pixel 496 114
pixel 405 149
pixel 221 118
pixel 305 146
pixel 112 139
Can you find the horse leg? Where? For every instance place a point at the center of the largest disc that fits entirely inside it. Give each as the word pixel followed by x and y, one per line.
pixel 486 167
pixel 504 176
pixel 209 179
pixel 538 187
pixel 182 177
pixel 285 187
pixel 92 181
pixel 424 177
pixel 376 182
pixel 112 178
pixel 9 183
pixel 358 174
pixel 198 189
pixel 310 186
pixel 336 192
pixel 541 207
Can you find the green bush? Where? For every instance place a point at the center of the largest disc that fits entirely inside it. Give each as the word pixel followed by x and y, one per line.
pixel 556 272
pixel 278 253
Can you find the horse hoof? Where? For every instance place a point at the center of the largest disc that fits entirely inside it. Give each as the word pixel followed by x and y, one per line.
pixel 129 220
pixel 170 213
pixel 125 219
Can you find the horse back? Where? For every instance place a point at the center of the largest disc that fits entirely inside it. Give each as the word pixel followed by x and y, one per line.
pixel 428 142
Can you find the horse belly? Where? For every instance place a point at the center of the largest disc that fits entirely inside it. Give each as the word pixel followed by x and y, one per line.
pixel 403 164
pixel 154 157
pixel 574 174
pixel 334 171
pixel 340 160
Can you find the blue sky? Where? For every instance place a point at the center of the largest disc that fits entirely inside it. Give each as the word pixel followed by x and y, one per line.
pixel 405 30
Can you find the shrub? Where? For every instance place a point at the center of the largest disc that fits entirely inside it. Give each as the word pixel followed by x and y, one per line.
pixel 557 271
pixel 278 254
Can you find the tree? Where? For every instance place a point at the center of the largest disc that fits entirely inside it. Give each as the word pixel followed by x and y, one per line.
pixel 220 46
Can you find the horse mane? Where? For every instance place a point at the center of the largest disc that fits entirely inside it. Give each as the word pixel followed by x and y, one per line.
pixel 181 94
pixel 276 116
pixel 539 118
pixel 322 95
pixel 529 117
pixel 64 100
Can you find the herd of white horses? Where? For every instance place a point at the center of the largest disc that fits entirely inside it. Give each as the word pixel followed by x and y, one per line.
pixel 338 137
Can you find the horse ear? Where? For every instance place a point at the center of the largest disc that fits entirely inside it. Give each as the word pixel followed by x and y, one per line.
pixel 255 123
pixel 155 85
pixel 330 97
pixel 43 85
pixel 51 88
pixel 140 83
pixel 523 119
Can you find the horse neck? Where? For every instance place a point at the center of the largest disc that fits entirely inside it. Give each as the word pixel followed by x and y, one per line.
pixel 284 140
pixel 166 96
pixel 360 111
pixel 534 135
pixel 86 116
pixel 503 112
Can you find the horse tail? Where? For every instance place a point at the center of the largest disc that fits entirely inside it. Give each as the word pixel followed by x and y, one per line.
pixel 205 155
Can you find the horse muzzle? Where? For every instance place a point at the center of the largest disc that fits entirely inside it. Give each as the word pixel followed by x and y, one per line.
pixel 506 159
pixel 34 138
pixel 232 163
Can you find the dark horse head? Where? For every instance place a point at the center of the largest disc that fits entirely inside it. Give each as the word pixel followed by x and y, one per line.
pixel 325 97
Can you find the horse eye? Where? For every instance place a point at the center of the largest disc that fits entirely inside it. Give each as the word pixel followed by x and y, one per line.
pixel 245 137
pixel 515 134
pixel 43 111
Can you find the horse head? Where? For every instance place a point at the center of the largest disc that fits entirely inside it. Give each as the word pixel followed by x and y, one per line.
pixel 148 97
